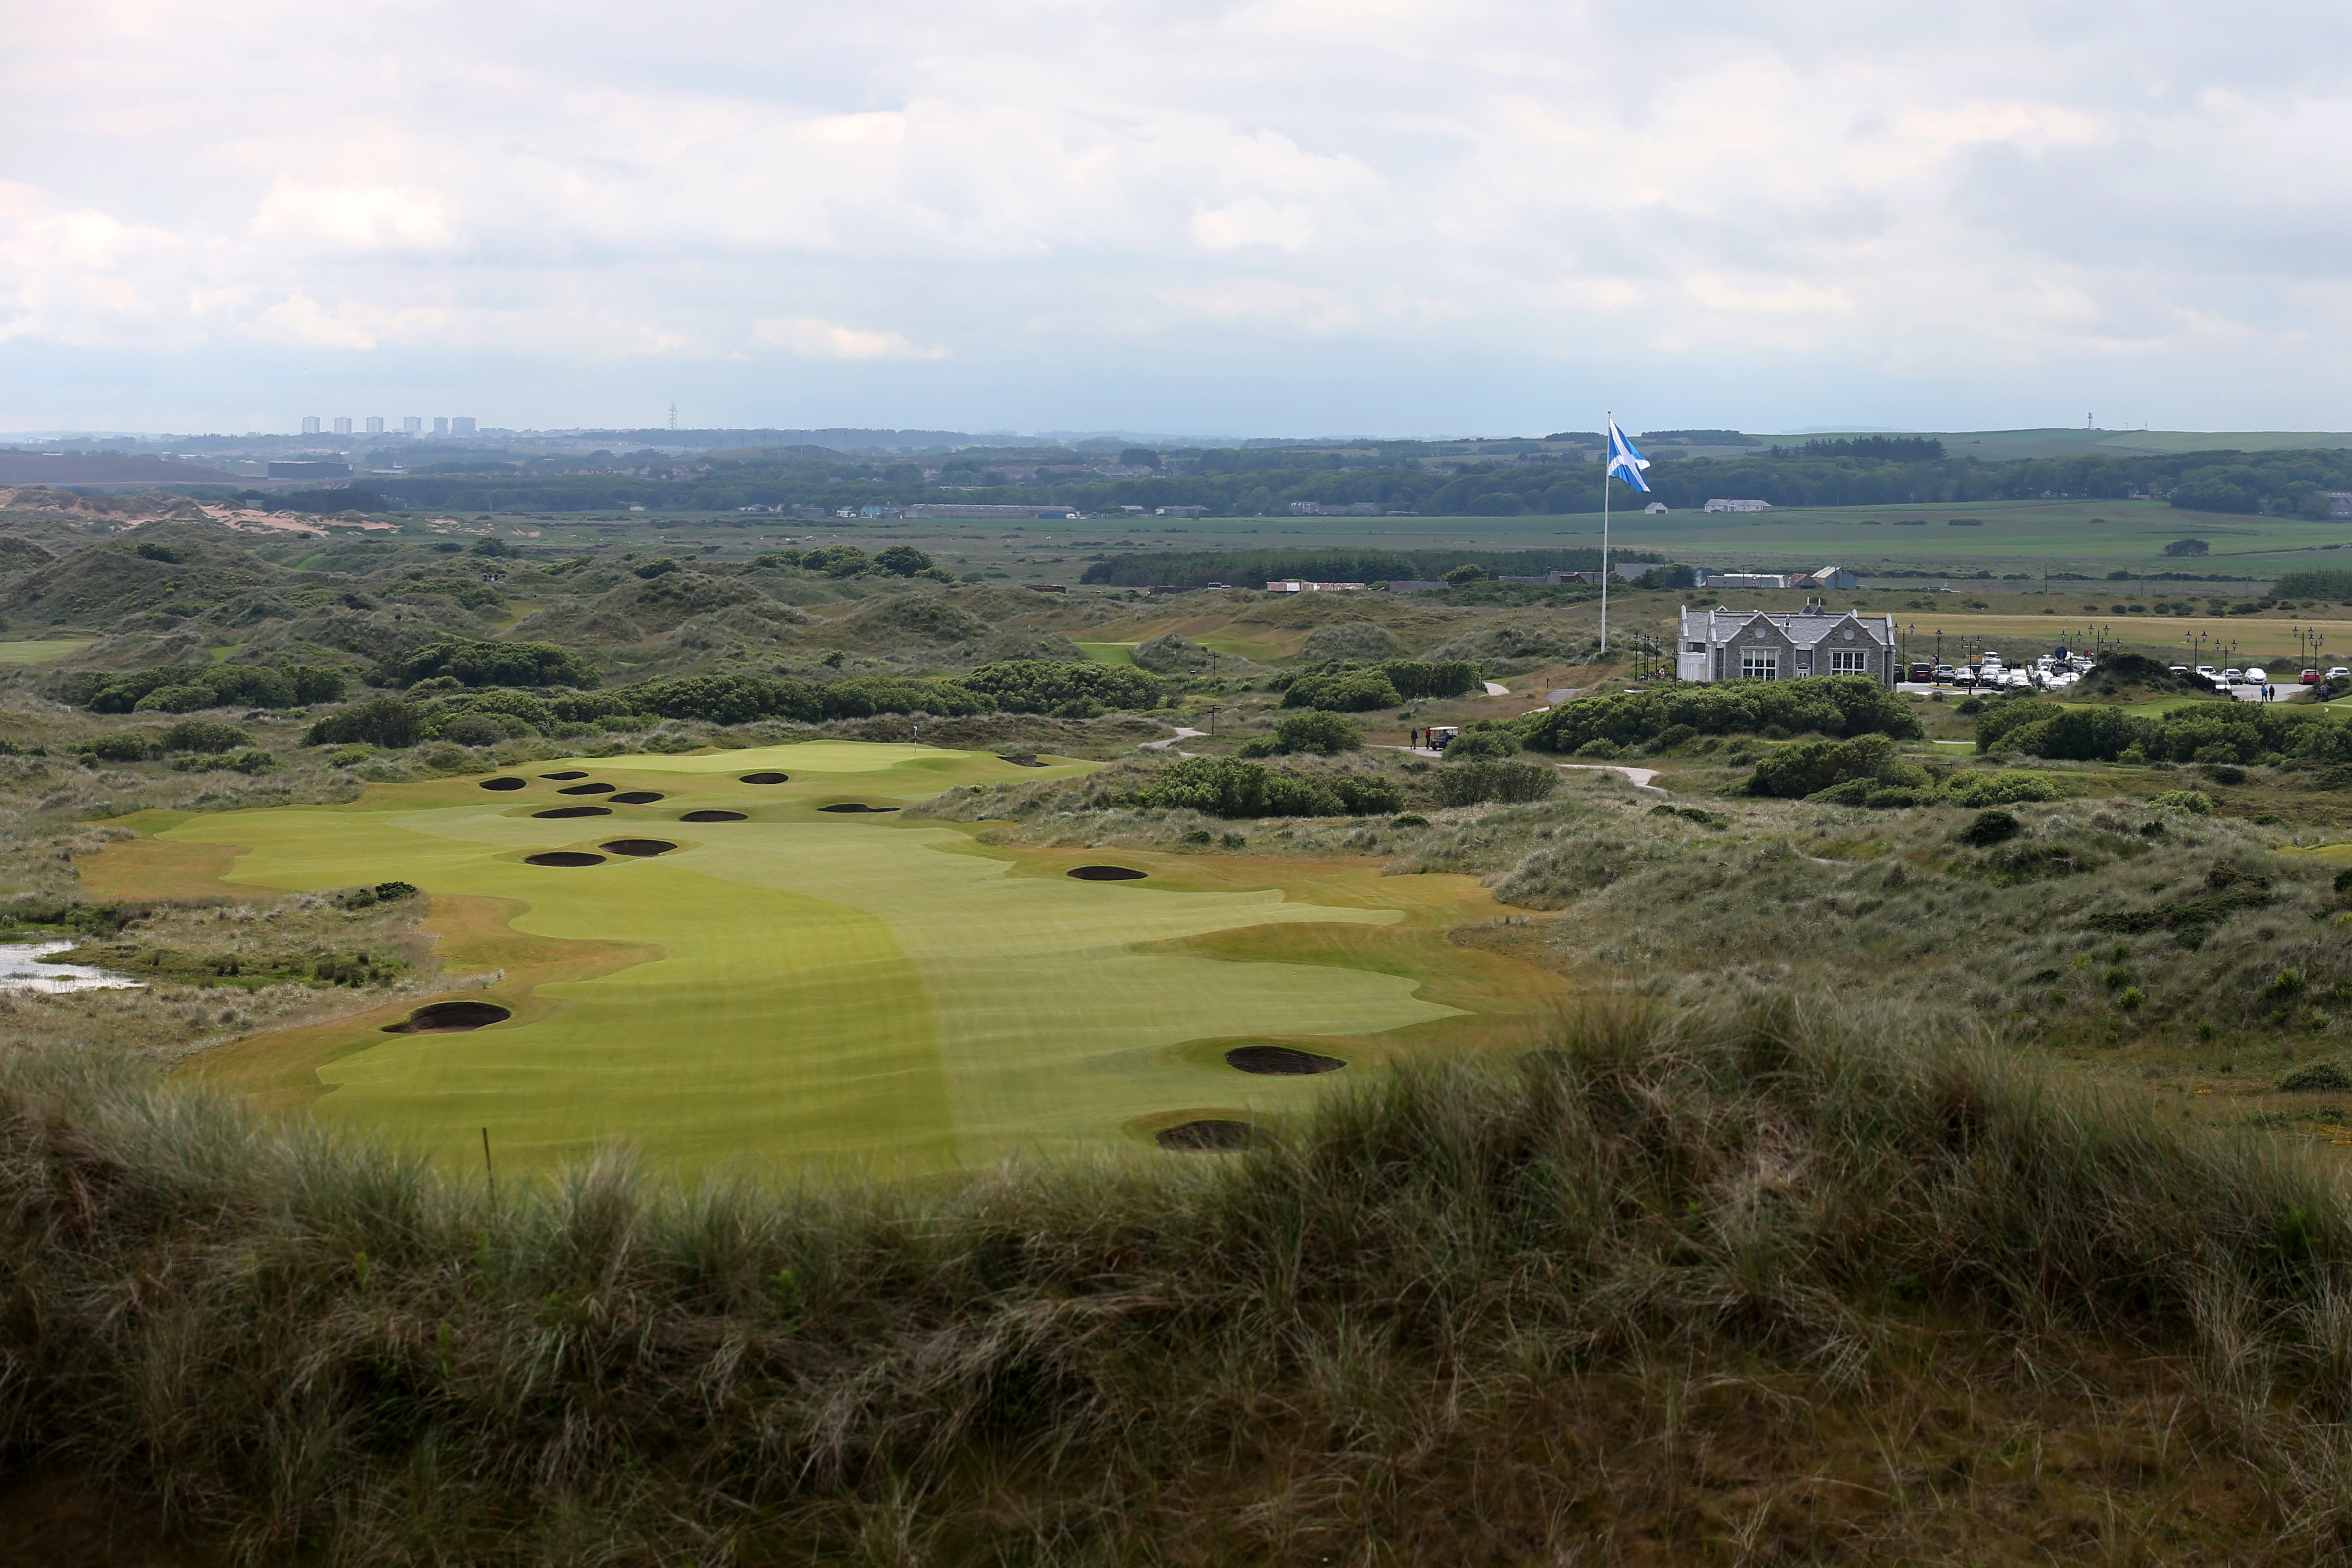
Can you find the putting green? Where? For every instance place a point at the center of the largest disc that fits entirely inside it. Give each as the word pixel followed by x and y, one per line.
pixel 802 984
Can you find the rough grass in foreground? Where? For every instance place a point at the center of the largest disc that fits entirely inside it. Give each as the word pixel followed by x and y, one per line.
pixel 1743 1283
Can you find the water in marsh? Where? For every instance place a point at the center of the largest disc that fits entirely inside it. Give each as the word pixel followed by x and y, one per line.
pixel 22 969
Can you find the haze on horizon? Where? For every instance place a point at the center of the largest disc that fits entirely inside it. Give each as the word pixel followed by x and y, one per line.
pixel 1295 217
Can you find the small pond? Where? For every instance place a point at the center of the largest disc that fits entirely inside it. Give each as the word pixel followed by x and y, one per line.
pixel 21 969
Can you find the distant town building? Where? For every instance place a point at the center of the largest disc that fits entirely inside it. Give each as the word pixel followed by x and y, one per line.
pixel 1756 645
pixel 461 425
pixel 984 509
pixel 410 425
pixel 310 424
pixel 1415 587
pixel 375 424
pixel 1327 509
pixel 2339 503
pixel 314 470
pixel 1737 506
pixel 440 425
pixel 1178 510
pixel 343 425
pixel 1745 580
pixel 1654 507
pixel 1300 585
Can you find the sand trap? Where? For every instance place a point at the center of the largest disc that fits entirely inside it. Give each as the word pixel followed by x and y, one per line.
pixel 576 811
pixel 767 778
pixel 504 783
pixel 637 797
pixel 1280 1061
pixel 1027 762
pixel 574 774
pixel 854 807
pixel 1213 1134
pixel 644 848
pixel 586 789
pixel 713 817
pixel 564 857
pixel 1101 873
pixel 449 1018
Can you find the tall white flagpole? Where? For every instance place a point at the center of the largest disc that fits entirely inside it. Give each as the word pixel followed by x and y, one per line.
pixel 1606 453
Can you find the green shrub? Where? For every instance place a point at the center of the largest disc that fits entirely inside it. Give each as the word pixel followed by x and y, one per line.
pixel 388 722
pixel 530 664
pixel 1808 767
pixel 176 699
pixel 1327 733
pixel 1482 745
pixel 1836 705
pixel 1989 828
pixel 122 746
pixel 2002 787
pixel 202 735
pixel 1471 784
pixel 1232 787
pixel 1349 691
pixel 2194 801
pixel 1042 686
pixel 2318 1075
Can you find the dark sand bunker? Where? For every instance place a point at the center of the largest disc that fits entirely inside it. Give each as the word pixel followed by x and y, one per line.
pixel 1215 1134
pixel 1280 1061
pixel 644 848
pixel 586 789
pixel 449 1018
pixel 504 783
pixel 766 778
pixel 714 817
pixel 1106 873
pixel 576 811
pixel 564 857
pixel 1026 760
pixel 574 774
pixel 853 807
pixel 637 797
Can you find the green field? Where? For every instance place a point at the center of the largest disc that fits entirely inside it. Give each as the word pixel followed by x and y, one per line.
pixel 800 983
pixel 1109 652
pixel 42 652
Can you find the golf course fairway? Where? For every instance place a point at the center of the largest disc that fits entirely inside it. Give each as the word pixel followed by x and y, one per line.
pixel 807 983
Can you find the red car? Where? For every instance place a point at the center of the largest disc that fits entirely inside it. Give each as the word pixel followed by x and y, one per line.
pixel 2310 677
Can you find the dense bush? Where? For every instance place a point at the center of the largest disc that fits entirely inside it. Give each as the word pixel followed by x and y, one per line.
pixel 209 686
pixel 1080 686
pixel 1828 704
pixel 1469 784
pixel 1811 767
pixel 1231 787
pixel 2216 733
pixel 1326 733
pixel 389 722
pixel 1345 691
pixel 202 735
pixel 494 664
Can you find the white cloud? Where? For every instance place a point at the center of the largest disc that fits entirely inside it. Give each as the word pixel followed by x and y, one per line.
pixel 1991 203
pixel 301 322
pixel 806 337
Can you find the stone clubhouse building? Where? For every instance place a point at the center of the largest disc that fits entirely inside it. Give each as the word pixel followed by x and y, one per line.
pixel 1759 645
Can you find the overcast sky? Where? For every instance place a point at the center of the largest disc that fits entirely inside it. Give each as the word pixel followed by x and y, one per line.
pixel 1376 216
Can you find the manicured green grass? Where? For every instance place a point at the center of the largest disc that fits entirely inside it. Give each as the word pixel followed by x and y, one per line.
pixel 42 652
pixel 820 986
pixel 1109 652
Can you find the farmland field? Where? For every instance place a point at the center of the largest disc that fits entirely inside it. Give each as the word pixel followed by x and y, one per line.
pixel 41 652
pixel 803 983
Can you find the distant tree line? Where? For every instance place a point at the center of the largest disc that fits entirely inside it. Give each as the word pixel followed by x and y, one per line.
pixel 1254 568
pixel 1872 471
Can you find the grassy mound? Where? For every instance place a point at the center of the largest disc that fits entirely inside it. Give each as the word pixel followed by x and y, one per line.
pixel 1750 1282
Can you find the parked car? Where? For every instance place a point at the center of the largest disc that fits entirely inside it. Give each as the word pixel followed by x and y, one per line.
pixel 1943 673
pixel 2339 673
pixel 2232 677
pixel 2257 676
pixel 1920 672
pixel 2308 678
pixel 2207 671
pixel 2179 669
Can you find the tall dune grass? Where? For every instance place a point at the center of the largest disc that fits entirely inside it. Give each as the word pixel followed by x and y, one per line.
pixel 1650 1285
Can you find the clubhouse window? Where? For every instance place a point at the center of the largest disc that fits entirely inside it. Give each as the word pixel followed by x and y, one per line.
pixel 1760 663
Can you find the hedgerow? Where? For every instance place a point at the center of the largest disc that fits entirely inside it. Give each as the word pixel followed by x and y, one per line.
pixel 1834 705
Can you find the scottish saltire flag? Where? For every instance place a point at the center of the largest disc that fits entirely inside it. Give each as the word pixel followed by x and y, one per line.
pixel 1624 461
